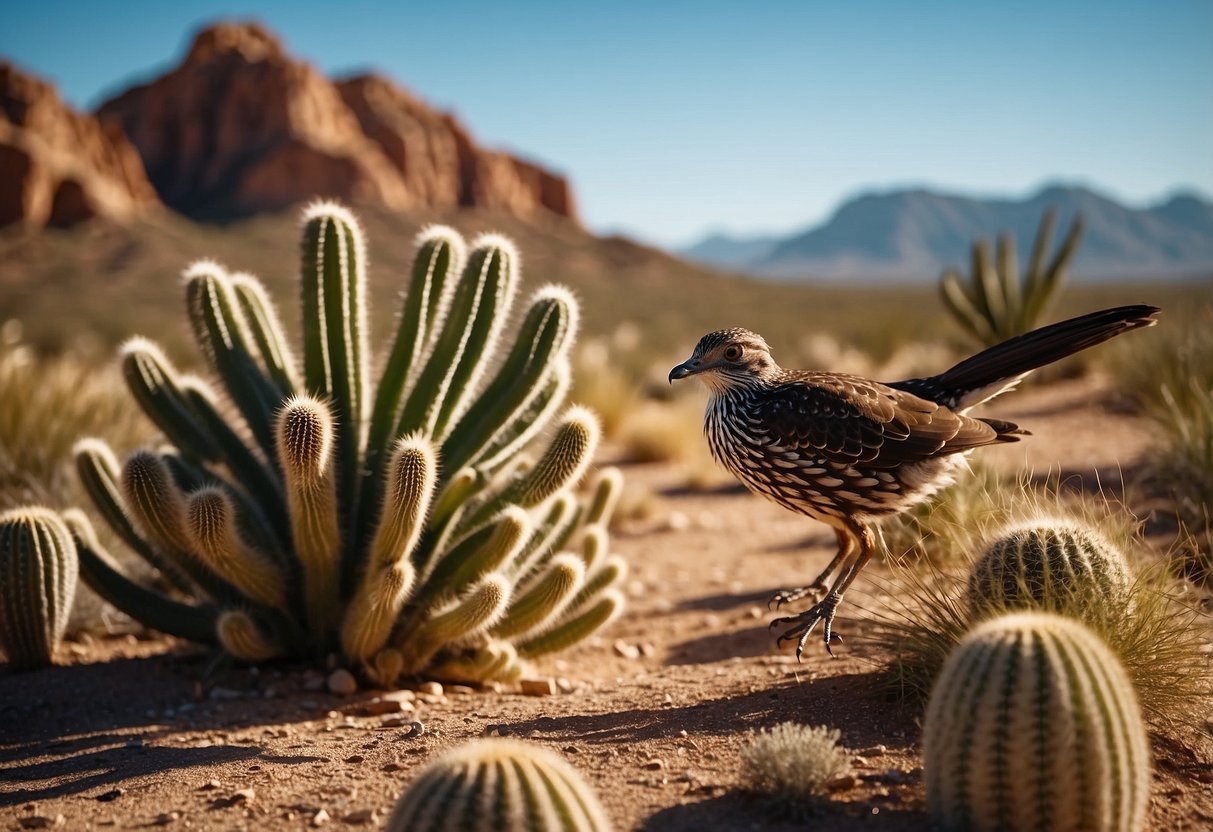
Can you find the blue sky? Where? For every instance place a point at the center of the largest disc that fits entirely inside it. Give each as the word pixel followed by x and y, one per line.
pixel 677 118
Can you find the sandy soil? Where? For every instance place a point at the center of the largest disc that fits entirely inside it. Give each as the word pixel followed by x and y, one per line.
pixel 137 733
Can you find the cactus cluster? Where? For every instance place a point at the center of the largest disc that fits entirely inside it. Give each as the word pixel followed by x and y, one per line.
pixel 1033 725
pixel 37 584
pixel 499 785
pixel 301 509
pixel 997 303
pixel 1052 565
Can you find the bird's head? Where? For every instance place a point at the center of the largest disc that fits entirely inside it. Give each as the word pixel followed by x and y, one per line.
pixel 728 359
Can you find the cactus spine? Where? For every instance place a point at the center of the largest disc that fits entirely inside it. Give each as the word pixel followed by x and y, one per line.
pixel 1033 725
pixel 404 523
pixel 997 304
pixel 1053 565
pixel 499 785
pixel 37 584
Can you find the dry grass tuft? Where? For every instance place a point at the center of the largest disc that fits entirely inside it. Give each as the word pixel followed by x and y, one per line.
pixel 793 764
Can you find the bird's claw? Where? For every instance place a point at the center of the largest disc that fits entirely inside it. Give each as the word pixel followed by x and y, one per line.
pixel 804 623
pixel 787 596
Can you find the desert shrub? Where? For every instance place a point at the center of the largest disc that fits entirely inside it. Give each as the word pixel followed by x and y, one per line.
pixel 303 510
pixel 793 764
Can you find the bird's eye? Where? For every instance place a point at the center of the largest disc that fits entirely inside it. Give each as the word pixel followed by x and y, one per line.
pixel 732 352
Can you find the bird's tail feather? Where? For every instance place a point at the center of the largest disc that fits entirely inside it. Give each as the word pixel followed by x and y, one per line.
pixel 1001 367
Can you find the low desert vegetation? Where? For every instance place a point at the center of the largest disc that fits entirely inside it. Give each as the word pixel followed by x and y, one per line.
pixel 793 765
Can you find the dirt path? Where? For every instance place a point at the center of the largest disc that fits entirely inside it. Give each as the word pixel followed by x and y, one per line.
pixel 654 712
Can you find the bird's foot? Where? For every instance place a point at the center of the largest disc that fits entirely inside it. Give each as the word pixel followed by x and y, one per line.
pixel 803 624
pixel 787 596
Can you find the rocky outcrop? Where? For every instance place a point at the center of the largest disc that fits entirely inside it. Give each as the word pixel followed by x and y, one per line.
pixel 241 127
pixel 58 166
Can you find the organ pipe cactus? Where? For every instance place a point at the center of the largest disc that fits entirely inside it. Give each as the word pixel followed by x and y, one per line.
pixel 37 584
pixel 300 510
pixel 499 785
pixel 997 303
pixel 1033 725
pixel 1053 565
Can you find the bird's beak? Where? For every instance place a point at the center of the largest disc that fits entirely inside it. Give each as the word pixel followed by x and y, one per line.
pixel 687 368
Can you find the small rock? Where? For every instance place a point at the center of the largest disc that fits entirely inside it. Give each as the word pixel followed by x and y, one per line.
pixel 380 706
pixel 354 759
pixel 165 818
pixel 237 798
pixel 460 690
pixel 399 696
pixel 360 817
pixel 209 785
pixel 538 687
pixel 430 688
pixel 625 650
pixel 564 685
pixel 393 766
pixel 873 751
pixel 843 782
pixel 320 818
pixel 572 749
pixel 42 822
pixel 112 794
pixel 416 729
pixel 342 683
pixel 654 764
pixel 677 521
pixel 648 650
pixel 860 762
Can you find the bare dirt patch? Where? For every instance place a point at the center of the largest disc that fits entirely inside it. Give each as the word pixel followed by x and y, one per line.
pixel 134 733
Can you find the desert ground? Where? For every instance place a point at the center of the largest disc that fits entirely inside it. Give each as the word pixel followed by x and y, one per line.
pixel 137 731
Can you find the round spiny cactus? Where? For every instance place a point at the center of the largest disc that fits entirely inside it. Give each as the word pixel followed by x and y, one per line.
pixel 37 584
pixel 498 785
pixel 302 510
pixel 1051 564
pixel 1033 725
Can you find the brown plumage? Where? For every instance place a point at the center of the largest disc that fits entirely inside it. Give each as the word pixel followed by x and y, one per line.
pixel 846 450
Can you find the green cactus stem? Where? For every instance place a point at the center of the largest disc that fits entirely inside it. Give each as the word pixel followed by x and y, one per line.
pixel 499 785
pixel 1033 725
pixel 479 609
pixel 577 625
pixel 211 519
pixel 544 598
pixel 240 636
pixel 38 569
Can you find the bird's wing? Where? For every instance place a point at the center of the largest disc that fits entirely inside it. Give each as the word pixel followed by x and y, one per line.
pixel 849 419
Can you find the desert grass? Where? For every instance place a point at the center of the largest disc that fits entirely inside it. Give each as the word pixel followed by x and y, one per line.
pixel 1156 628
pixel 793 765
pixel 1170 377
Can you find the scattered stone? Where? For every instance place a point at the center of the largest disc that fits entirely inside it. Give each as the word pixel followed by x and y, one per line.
pixel 393 766
pixel 320 818
pixel 654 764
pixel 860 762
pixel 209 785
pixel 430 688
pixel 236 798
pixel 538 687
pixel 165 818
pixel 572 749
pixel 625 650
pixel 843 782
pixel 461 690
pixel 648 650
pixel 112 794
pixel 42 822
pixel 874 751
pixel 342 683
pixel 380 706
pixel 564 685
pixel 354 759
pixel 416 729
pixel 676 521
pixel 361 817
pixel 404 695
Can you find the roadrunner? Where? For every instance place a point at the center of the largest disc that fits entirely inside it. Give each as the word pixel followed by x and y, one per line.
pixel 847 451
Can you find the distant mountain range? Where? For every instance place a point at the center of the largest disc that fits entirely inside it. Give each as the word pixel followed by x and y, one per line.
pixel 914 233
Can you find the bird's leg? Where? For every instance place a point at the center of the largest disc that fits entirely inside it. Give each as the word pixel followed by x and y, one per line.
pixel 846 545
pixel 803 624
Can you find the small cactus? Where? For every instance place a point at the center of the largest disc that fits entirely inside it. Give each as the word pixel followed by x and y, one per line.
pixel 498 785
pixel 1033 725
pixel 406 524
pixel 37 584
pixel 1054 565
pixel 997 304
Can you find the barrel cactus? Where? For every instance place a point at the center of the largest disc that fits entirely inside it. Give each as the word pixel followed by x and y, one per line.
pixel 1056 565
pixel 37 584
pixel 1033 725
pixel 499 785
pixel 427 525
